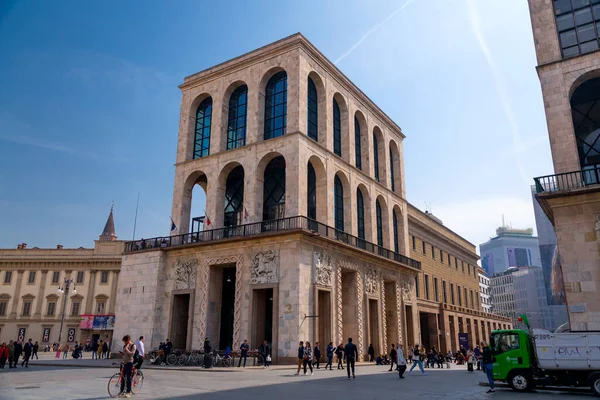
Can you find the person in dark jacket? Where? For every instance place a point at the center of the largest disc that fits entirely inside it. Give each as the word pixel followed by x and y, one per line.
pixel 371 353
pixel 393 357
pixel 105 350
pixel 11 354
pixel 27 349
pixel 317 355
pixel 243 353
pixel 266 354
pixel 36 347
pixel 207 353
pixel 95 346
pixel 329 356
pixel 18 352
pixel 351 355
pixel 487 360
pixel 300 356
pixel 339 352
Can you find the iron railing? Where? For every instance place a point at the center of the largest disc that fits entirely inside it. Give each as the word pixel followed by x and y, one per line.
pixel 258 228
pixel 567 180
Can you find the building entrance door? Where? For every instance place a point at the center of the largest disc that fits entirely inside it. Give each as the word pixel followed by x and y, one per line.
pixel 262 317
pixel 179 324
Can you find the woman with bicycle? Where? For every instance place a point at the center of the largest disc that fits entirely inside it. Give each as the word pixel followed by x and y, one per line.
pixel 127 353
pixel 308 358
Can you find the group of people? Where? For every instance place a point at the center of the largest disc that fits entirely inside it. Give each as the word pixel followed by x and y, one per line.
pixel 14 350
pixel 309 357
pixel 264 351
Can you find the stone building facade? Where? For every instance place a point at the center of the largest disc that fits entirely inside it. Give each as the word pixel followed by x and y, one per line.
pixel 566 43
pixel 305 235
pixel 31 307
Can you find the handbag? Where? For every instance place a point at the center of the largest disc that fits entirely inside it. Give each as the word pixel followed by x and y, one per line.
pixel 268 358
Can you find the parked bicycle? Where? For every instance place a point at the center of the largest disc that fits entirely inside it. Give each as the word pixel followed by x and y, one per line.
pixel 157 357
pixel 114 383
pixel 189 359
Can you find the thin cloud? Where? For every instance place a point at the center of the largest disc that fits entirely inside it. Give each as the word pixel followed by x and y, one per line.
pixel 372 30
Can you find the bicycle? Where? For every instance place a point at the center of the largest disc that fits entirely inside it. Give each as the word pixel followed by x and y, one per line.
pixel 157 357
pixel 189 359
pixel 114 383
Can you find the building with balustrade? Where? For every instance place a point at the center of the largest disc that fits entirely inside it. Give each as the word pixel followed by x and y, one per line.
pixel 567 42
pixel 32 307
pixel 305 235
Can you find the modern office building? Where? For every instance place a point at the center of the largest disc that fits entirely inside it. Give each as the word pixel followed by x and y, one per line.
pixel 306 235
pixel 566 37
pixel 31 305
pixel 485 292
pixel 509 248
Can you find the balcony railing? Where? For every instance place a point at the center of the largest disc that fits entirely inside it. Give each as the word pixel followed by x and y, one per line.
pixel 567 181
pixel 258 228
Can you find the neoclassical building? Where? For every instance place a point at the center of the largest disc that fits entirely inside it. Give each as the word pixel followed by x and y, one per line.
pixel 305 234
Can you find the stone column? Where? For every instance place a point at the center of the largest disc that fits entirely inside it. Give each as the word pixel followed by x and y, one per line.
pixel 17 296
pixel 445 343
pixel 113 293
pixel 89 301
pixel 398 311
pixel 471 332
pixel 218 132
pixel 383 316
pixel 360 315
pixel 40 297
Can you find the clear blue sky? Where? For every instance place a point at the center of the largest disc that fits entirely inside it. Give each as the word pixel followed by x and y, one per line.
pixel 89 104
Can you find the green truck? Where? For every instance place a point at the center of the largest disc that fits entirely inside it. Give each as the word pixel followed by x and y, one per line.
pixel 531 358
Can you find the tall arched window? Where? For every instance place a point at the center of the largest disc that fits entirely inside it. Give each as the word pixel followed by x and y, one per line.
pixel 379 224
pixel 276 106
pixel 357 144
pixel 392 170
pixel 376 157
pixel 202 136
pixel 338 203
pixel 337 129
pixel 311 200
pixel 234 197
pixel 395 221
pixel 360 214
pixel 236 121
pixel 274 190
pixel 312 126
pixel 585 111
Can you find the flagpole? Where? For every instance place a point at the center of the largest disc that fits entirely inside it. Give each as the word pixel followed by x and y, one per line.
pixel 136 213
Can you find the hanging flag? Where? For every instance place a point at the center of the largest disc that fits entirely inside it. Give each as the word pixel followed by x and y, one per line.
pixel 173 226
pixel 245 214
pixel 207 221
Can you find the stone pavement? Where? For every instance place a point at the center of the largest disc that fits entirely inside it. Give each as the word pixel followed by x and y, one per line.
pixel 373 382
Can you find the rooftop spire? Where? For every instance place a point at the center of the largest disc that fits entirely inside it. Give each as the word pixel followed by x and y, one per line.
pixel 108 234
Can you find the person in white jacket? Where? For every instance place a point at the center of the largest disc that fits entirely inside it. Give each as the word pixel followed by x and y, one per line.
pixel 401 361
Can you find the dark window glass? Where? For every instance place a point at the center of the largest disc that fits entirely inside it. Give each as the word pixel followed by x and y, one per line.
pixel 379 224
pixel 104 277
pixel 236 125
pixel 577 32
pixel 55 276
pixel 444 292
pixel 583 16
pixel 432 252
pixel 568 38
pixel 31 277
pixel 414 243
pixel 276 106
pixel 7 276
pixel 459 295
pixel 426 281
pixel 393 185
pixel 274 190
pixel 311 200
pixel 234 197
pixel 579 3
pixel 436 295
pixel 357 144
pixel 570 51
pixel 395 222
pixel 455 262
pixel 3 305
pixel 442 256
pixel 313 111
pixel 360 214
pixel 337 129
pixel 338 200
pixel 423 243
pixel 203 122
pixel 565 22
pixel 417 286
pixel 597 12
pixel 80 275
pixel 376 157
pixel 589 46
pixel 26 308
pixel 585 113
pixel 448 259
pixel 503 342
pixel 562 6
pixel 452 293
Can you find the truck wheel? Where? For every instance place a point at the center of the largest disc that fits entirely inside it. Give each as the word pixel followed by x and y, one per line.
pixel 520 381
pixel 595 383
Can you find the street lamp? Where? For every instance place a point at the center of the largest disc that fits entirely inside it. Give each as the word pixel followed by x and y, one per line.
pixel 64 288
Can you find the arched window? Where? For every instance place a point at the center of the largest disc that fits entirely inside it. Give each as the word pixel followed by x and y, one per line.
pixel 357 144
pixel 274 190
pixel 311 200
pixel 276 106
pixel 338 203
pixel 236 122
pixel 234 197
pixel 202 136
pixel 312 126
pixel 337 129
pixel 585 111
pixel 376 156
pixel 395 221
pixel 379 224
pixel 392 170
pixel 360 214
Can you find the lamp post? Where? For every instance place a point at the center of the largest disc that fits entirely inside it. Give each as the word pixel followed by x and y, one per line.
pixel 64 288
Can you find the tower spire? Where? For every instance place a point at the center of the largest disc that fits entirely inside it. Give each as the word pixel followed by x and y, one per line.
pixel 108 234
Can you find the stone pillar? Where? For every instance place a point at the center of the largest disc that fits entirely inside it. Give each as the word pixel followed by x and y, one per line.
pixel 17 295
pixel 383 316
pixel 399 312
pixel 113 293
pixel 360 316
pixel 218 132
pixel 40 297
pixel 445 328
pixel 89 301
pixel 471 332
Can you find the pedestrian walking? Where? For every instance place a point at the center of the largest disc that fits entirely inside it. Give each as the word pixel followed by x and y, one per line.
pixel 300 356
pixel 317 355
pixel 58 351
pixel 95 346
pixel 138 357
pixel 470 360
pixel 105 350
pixel 36 347
pixel 329 356
pixel 339 352
pixel 307 360
pixel 3 355
pixel 417 359
pixel 401 361
pixel 371 352
pixel 351 352
pixel 65 350
pixel 18 352
pixel 11 354
pixel 27 350
pixel 487 361
pixel 243 353
pixel 477 354
pixel 393 357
